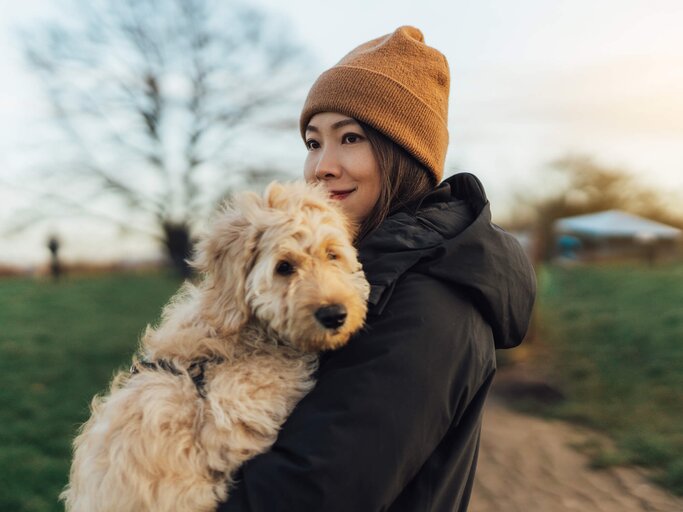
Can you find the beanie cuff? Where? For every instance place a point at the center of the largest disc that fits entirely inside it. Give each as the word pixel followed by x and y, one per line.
pixel 384 104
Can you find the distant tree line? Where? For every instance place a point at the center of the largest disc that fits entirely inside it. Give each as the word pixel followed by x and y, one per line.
pixel 584 186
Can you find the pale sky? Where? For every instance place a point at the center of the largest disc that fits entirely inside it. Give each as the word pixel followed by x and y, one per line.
pixel 531 81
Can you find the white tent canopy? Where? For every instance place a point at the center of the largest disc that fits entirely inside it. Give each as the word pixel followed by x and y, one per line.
pixel 616 224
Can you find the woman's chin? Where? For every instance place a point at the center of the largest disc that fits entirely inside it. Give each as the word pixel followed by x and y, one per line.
pixel 348 209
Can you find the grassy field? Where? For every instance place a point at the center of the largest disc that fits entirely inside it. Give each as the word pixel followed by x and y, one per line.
pixel 612 341
pixel 611 338
pixel 60 344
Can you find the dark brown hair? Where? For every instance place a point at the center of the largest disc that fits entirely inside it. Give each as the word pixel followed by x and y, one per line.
pixel 403 180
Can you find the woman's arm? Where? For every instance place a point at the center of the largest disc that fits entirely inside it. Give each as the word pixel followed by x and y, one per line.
pixel 380 407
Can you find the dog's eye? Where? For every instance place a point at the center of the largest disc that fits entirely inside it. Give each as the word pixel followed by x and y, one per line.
pixel 284 268
pixel 331 256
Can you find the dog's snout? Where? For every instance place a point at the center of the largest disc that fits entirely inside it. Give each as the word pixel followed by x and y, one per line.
pixel 331 317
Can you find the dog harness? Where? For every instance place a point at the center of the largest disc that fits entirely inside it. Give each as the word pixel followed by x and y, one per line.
pixel 195 370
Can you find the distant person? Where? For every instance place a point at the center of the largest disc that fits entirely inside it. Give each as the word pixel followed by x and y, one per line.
pixel 55 266
pixel 393 423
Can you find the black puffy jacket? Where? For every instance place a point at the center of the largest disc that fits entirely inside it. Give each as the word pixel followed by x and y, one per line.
pixel 393 423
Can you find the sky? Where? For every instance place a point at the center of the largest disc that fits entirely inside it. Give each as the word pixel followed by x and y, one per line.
pixel 531 81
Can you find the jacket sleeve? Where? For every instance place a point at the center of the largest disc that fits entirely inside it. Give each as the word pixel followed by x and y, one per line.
pixel 380 407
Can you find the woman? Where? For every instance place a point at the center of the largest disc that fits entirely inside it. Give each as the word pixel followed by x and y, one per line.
pixel 393 423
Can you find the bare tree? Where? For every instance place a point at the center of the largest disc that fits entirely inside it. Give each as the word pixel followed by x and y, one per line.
pixel 162 104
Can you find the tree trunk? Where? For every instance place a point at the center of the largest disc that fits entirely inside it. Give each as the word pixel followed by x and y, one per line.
pixel 178 243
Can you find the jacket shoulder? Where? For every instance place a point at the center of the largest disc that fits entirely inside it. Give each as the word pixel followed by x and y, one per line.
pixel 427 312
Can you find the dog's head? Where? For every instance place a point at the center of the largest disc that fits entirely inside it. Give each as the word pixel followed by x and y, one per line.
pixel 286 260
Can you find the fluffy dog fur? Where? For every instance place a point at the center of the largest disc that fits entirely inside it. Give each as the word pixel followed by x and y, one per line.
pixel 158 442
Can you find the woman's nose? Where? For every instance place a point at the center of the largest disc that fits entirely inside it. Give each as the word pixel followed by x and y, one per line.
pixel 328 166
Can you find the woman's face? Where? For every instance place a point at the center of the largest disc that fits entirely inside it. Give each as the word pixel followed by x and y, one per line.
pixel 340 155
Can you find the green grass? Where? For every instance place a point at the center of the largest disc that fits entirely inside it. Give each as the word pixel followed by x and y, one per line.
pixel 60 343
pixel 613 341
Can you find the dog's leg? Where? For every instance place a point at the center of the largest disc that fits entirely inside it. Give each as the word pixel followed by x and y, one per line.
pixel 139 451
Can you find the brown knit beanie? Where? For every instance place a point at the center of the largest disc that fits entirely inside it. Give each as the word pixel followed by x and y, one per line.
pixel 396 84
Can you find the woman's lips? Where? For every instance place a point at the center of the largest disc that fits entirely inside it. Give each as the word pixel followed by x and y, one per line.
pixel 341 194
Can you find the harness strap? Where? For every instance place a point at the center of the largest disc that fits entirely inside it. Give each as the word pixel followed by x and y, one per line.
pixel 196 370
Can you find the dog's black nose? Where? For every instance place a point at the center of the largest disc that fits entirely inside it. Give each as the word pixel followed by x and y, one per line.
pixel 332 316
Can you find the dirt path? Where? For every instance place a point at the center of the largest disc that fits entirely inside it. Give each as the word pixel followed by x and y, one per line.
pixel 527 464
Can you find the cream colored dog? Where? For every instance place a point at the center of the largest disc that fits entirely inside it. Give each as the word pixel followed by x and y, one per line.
pixel 229 360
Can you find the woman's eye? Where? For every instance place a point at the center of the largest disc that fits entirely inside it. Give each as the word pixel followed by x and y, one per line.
pixel 312 144
pixel 284 268
pixel 351 138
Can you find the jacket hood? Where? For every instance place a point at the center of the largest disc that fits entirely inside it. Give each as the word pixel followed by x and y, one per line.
pixel 449 236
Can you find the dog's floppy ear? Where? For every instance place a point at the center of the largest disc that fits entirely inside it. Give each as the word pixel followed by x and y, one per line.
pixel 225 256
